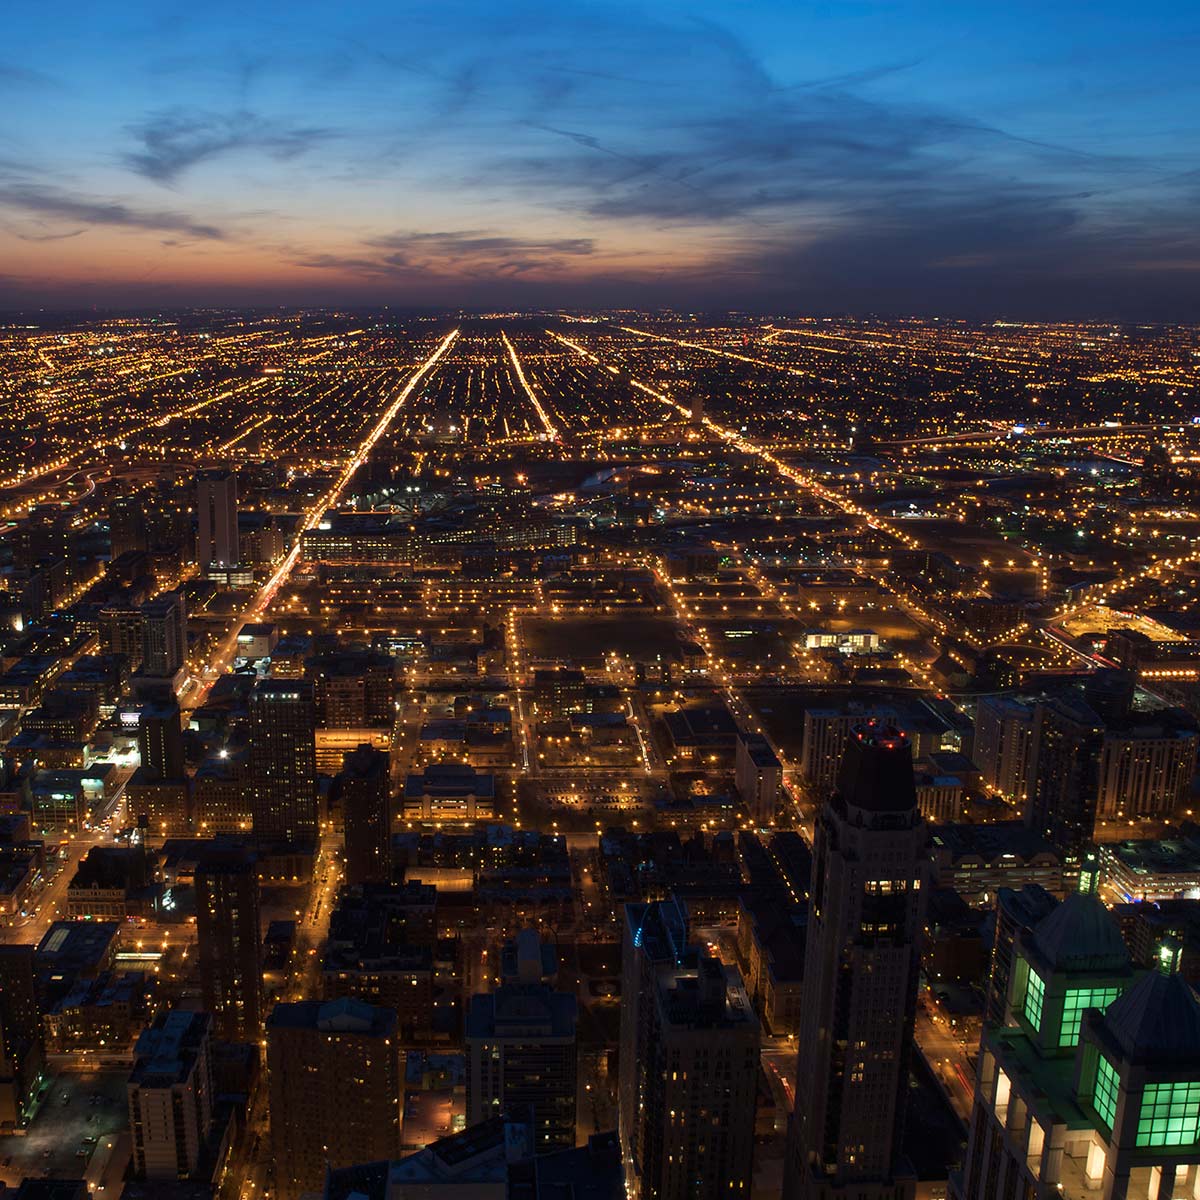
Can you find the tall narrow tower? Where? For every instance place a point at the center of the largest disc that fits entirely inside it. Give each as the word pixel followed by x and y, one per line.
pixel 689 1064
pixel 216 519
pixel 164 634
pixel 283 759
pixel 367 815
pixel 860 977
pixel 229 940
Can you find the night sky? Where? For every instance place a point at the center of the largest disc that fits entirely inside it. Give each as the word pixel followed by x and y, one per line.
pixel 969 158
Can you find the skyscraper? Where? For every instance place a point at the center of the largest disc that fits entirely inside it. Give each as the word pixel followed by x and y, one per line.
pixel 127 525
pixel 522 1059
pixel 164 635
pixel 283 759
pixel 1146 767
pixel 334 1089
pixel 160 740
pixel 229 941
pixel 170 1095
pixel 860 977
pixel 367 815
pixel 1004 745
pixel 21 1039
pixel 1089 1083
pixel 1066 787
pixel 758 776
pixel 216 519
pixel 689 1064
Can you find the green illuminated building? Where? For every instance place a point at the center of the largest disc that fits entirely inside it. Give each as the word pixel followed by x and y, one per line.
pixel 1091 1086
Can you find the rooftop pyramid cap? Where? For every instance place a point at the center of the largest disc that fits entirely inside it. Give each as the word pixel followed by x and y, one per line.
pixel 877 771
pixel 346 1013
pixel 1158 1019
pixel 1081 935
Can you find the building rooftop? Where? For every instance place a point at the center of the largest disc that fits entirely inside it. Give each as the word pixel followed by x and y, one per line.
pixel 517 1010
pixel 166 1053
pixel 591 1172
pixel 450 779
pixel 346 1015
pixel 1005 839
pixel 1158 856
pixel 71 946
pixel 1081 935
pixel 877 772
pixel 1157 1020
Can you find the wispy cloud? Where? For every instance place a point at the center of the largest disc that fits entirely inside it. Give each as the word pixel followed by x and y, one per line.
pixel 691 155
pixel 46 237
pixel 12 75
pixel 452 253
pixel 48 202
pixel 172 142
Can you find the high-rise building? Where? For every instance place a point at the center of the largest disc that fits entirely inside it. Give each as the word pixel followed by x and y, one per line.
pixel 1017 912
pixel 334 1089
pixel 353 689
pixel 655 936
pixel 381 950
pixel 160 741
pixel 862 958
pixel 22 1043
pixel 1146 768
pixel 521 1059
pixel 164 635
pixel 162 807
pixel 127 526
pixel 171 1095
pixel 1004 745
pixel 224 793
pixel 229 941
pixel 121 632
pixel 823 739
pixel 758 776
pixel 283 759
pixel 216 519
pixel 558 691
pixel 1065 793
pixel 1089 1084
pixel 688 1062
pixel 367 815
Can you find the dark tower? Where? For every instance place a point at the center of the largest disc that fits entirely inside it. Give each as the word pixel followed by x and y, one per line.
pixel 283 759
pixel 366 812
pixel 229 940
pixel 860 977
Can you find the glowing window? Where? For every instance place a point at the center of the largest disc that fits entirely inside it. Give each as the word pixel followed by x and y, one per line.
pixel 1035 995
pixel 1104 1096
pixel 1077 1002
pixel 1170 1115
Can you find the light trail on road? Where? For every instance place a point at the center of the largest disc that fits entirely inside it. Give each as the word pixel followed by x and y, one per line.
pixel 748 446
pixel 745 358
pixel 225 651
pixel 547 424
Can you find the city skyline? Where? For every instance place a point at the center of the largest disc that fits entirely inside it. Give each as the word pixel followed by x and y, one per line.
pixel 600 599
pixel 913 158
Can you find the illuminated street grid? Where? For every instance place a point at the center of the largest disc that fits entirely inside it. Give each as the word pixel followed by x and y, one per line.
pixel 755 517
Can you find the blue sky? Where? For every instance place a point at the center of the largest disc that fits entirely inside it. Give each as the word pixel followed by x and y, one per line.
pixel 974 158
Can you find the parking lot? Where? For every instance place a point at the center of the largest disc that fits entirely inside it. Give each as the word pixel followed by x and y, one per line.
pixel 75 1131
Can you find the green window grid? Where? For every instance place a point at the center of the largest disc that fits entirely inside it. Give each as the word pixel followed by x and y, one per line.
pixel 1035 995
pixel 1104 1095
pixel 1076 1003
pixel 1170 1115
